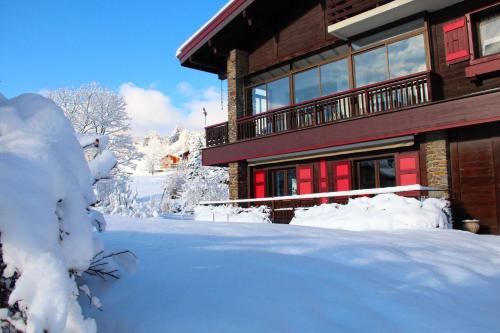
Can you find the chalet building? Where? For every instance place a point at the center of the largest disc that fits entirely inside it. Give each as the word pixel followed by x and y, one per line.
pixel 169 161
pixel 332 95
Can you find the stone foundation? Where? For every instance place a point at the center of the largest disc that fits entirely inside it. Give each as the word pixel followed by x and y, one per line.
pixel 437 157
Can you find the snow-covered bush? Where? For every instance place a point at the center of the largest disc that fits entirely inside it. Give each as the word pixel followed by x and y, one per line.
pixel 227 213
pixel 382 212
pixel 46 231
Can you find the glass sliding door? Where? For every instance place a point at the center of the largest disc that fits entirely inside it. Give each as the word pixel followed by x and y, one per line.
pixel 307 85
pixel 278 93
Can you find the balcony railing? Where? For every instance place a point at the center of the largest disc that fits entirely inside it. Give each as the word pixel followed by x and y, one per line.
pixel 388 96
pixel 217 135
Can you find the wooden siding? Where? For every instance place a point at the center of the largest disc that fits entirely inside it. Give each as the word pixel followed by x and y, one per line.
pixel 306 32
pixel 475 169
pixel 455 82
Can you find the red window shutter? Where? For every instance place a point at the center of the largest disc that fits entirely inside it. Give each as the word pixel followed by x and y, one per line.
pixel 342 176
pixel 408 169
pixel 456 40
pixel 323 179
pixel 305 179
pixel 260 184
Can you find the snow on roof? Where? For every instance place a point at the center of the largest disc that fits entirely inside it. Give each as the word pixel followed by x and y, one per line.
pixel 232 8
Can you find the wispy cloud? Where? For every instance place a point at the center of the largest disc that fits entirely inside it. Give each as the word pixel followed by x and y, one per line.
pixel 151 109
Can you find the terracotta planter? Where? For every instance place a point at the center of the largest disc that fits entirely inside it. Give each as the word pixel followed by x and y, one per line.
pixel 471 226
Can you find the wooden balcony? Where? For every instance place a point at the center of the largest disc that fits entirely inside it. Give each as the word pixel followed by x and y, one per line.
pixel 388 96
pixel 217 135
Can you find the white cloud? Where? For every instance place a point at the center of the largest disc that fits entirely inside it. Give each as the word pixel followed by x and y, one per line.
pixel 150 109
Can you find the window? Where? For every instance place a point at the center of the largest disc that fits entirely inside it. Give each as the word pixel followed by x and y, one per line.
pixel 406 57
pixel 284 182
pixel 488 34
pixel 278 93
pixel 376 173
pixel 259 99
pixel 334 77
pixel 272 95
pixel 371 67
pixel 483 30
pixel 400 58
pixel 306 85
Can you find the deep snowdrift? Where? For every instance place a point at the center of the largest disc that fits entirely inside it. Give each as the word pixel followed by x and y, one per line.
pixel 382 212
pixel 234 277
pixel 45 188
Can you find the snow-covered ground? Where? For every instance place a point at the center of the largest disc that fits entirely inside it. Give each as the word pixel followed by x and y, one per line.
pixel 219 277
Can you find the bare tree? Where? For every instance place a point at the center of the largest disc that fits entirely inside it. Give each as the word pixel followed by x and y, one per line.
pixel 95 110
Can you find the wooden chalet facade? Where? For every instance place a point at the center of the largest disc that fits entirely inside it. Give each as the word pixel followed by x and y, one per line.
pixel 333 95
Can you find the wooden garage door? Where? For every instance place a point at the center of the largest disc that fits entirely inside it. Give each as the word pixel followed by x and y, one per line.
pixel 475 169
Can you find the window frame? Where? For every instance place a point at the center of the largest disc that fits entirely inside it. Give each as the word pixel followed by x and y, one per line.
pixel 471 19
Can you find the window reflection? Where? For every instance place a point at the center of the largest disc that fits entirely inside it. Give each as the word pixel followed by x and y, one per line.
pixel 334 77
pixel 284 182
pixel 278 93
pixel 306 85
pixel 489 34
pixel 259 99
pixel 371 67
pixel 407 56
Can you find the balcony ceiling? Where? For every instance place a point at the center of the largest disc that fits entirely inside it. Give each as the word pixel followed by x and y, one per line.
pixel 388 13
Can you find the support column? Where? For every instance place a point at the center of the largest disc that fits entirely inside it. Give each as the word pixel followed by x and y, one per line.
pixel 237 68
pixel 437 157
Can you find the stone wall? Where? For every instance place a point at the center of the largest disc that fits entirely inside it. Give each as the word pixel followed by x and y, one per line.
pixel 437 157
pixel 237 68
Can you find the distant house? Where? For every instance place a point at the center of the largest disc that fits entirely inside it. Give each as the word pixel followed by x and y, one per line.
pixel 340 95
pixel 169 161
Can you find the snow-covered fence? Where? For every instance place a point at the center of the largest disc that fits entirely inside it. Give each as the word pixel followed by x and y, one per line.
pixel 283 208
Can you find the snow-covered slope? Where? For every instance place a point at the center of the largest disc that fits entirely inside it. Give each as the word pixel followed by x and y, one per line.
pixel 218 277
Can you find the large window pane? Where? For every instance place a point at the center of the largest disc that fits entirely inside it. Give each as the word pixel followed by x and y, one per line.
pixel 387 173
pixel 278 93
pixel 259 99
pixel 334 77
pixel 407 56
pixel 489 35
pixel 371 67
pixel 306 85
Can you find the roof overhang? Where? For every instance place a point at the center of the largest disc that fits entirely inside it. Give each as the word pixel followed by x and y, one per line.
pixel 211 28
pixel 388 13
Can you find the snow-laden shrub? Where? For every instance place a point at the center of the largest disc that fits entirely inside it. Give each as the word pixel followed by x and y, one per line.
pixel 192 183
pixel 382 212
pixel 46 232
pixel 227 213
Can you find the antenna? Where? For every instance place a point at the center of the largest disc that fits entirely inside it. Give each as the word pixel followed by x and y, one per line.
pixel 205 114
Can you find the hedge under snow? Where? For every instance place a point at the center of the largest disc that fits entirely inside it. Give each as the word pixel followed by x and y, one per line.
pixel 232 214
pixel 382 212
pixel 46 233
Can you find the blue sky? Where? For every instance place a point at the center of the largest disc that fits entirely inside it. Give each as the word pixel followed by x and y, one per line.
pixel 46 44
